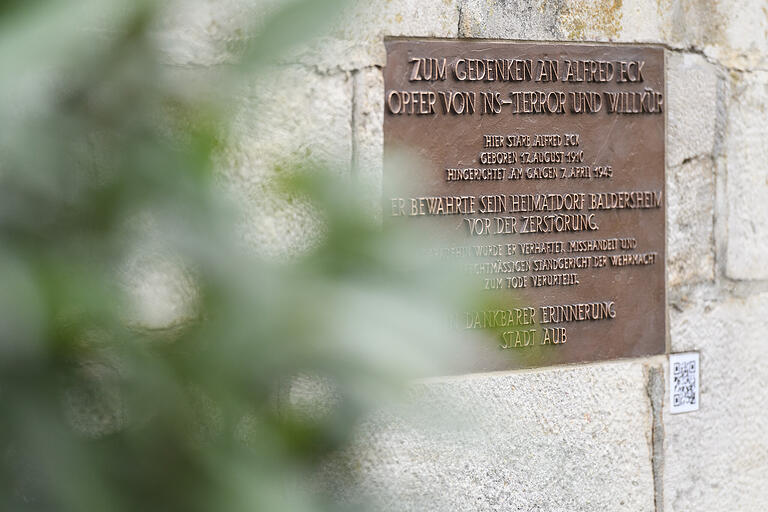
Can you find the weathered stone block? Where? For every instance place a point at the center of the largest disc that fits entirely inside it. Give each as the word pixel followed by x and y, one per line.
pixel 746 153
pixel 690 222
pixel 692 107
pixel 717 458
pixel 732 33
pixel 689 23
pixel 292 113
pixel 566 439
pixel 515 19
pixel 740 36
pixel 206 32
pixel 576 20
pixel 601 20
pixel 287 118
pixel 357 40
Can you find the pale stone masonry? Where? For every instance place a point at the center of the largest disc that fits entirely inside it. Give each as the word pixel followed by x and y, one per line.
pixel 582 438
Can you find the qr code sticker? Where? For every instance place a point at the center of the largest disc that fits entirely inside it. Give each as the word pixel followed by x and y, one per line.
pixel 684 382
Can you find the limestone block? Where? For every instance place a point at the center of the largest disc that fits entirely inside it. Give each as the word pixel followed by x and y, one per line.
pixel 514 19
pixel 287 118
pixel 291 113
pixel 575 20
pixel 733 33
pixel 717 458
pixel 565 439
pixel 746 152
pixel 208 32
pixel 690 222
pixel 692 107
pixel 357 40
pixel 691 23
pixel 692 132
pixel 743 40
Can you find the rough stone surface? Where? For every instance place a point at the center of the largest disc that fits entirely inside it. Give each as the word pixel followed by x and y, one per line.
pixel 295 118
pixel 501 19
pixel 210 32
pixel 593 20
pixel 568 439
pixel 739 33
pixel 690 222
pixel 692 103
pixel 368 136
pixel 206 32
pixel 716 459
pixel 690 23
pixel 746 152
pixel 575 20
pixel 289 114
pixel 732 33
pixel 357 40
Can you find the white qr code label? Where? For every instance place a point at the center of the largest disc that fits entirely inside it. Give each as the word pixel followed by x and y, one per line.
pixel 684 382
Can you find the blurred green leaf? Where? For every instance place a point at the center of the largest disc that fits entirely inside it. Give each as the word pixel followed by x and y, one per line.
pixel 149 359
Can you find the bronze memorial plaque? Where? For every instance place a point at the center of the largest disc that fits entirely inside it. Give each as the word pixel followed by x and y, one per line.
pixel 545 163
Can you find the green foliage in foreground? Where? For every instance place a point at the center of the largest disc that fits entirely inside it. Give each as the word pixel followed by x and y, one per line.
pixel 103 159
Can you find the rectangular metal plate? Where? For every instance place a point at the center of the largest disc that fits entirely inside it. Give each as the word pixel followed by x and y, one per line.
pixel 548 161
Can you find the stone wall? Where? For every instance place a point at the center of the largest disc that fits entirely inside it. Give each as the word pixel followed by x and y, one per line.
pixel 588 437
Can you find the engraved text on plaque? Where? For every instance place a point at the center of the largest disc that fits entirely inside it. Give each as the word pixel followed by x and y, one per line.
pixel 546 163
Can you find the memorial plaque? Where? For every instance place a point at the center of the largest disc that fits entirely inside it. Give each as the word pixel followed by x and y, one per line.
pixel 545 163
